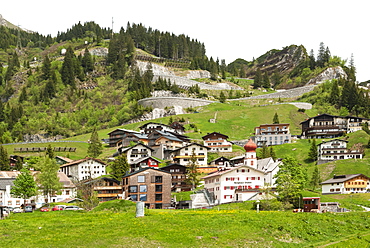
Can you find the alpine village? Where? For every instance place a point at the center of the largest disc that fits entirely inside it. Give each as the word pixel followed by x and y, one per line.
pixel 154 144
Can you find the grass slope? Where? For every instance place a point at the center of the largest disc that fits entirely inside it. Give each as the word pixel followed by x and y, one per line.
pixel 234 227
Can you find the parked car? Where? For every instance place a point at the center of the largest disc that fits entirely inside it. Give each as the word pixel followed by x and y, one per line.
pixel 17 210
pixel 28 209
pixel 58 208
pixel 44 209
pixel 73 208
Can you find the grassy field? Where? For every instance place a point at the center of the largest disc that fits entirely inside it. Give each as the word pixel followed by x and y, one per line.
pixel 114 225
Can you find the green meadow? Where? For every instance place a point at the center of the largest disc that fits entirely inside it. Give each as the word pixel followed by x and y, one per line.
pixel 114 224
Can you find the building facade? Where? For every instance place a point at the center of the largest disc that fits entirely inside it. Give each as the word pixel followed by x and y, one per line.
pixel 346 184
pixel 336 149
pixel 217 142
pixel 84 169
pixel 243 179
pixel 331 126
pixel 148 185
pixel 272 134
pixel 184 154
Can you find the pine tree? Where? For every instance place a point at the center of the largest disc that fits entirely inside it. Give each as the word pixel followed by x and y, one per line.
pixel 334 94
pixel 87 61
pixel 192 172
pixel 266 81
pixel 4 159
pixel 272 153
pixel 258 79
pixel 95 147
pixel 312 154
pixel 315 180
pixel 119 167
pixel 46 68
pixel 68 71
pixel 24 185
pixel 276 119
pixel 222 97
pixel 50 152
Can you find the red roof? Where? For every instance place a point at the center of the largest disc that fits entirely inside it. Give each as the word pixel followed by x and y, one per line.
pixel 250 146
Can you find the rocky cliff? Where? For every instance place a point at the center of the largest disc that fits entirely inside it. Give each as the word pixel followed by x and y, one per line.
pixel 328 74
pixel 283 61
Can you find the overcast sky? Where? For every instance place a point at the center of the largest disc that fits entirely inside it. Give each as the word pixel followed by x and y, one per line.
pixel 229 29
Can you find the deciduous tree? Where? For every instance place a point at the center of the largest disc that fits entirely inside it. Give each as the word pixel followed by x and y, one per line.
pixel 24 185
pixel 48 179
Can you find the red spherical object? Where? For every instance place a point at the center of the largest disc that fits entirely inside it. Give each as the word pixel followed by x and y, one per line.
pixel 250 146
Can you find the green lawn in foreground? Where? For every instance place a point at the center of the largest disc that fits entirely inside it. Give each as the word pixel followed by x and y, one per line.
pixel 179 228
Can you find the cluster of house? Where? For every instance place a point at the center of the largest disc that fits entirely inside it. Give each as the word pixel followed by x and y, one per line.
pixel 236 179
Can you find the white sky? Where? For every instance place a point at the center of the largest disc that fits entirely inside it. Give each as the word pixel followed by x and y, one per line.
pixel 229 29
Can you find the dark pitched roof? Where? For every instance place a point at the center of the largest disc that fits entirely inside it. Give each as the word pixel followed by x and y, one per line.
pixel 160 124
pixel 215 133
pixel 124 130
pixel 171 165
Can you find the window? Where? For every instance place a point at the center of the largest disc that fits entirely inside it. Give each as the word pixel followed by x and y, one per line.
pixel 142 188
pixel 133 197
pixel 141 179
pixel 253 178
pixel 158 206
pixel 67 192
pixel 172 170
pixel 158 179
pixel 18 203
pixel 132 189
pixel 158 197
pixel 143 197
pixel 158 188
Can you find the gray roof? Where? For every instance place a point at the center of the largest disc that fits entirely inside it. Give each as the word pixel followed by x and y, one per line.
pixel 342 178
pixel 6 181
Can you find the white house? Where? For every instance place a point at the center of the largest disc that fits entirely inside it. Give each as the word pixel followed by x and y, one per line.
pixel 183 155
pixel 346 184
pixel 84 169
pixel 336 149
pixel 135 152
pixel 217 142
pixel 6 183
pixel 244 179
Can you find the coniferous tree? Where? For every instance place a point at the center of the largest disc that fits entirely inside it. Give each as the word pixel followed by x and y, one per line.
pixel 95 147
pixel 50 152
pixel 4 159
pixel 276 119
pixel 312 62
pixel 315 180
pixel 272 153
pixel 192 172
pixel 68 71
pixel 321 56
pixel 266 81
pixel 87 61
pixel 258 79
pixel 119 167
pixel 335 94
pixel 312 154
pixel 46 68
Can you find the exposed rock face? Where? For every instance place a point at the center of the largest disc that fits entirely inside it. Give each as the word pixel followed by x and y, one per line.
pixel 99 51
pixel 157 69
pixel 328 74
pixel 198 74
pixel 283 61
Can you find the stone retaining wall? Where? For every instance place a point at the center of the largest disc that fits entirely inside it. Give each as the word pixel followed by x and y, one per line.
pixel 162 102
